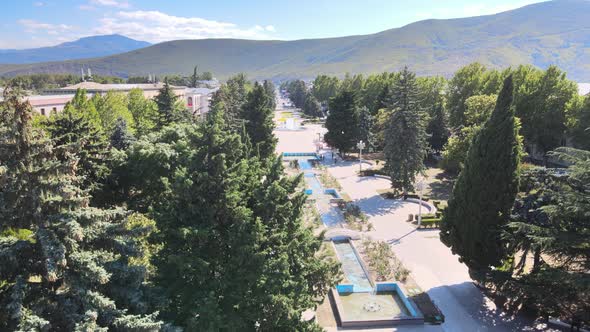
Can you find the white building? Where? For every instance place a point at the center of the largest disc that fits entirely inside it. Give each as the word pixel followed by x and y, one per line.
pixel 198 100
pixel 584 88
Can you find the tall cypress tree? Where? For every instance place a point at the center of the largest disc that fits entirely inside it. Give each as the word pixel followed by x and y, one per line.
pixel 485 190
pixel 405 134
pixel 64 266
pixel 259 123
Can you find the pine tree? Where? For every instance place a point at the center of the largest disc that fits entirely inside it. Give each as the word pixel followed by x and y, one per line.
pixel 64 266
pixel 121 138
pixel 259 123
pixel 405 134
pixel 486 189
pixel 343 122
pixel 366 128
pixel 168 111
pixel 73 126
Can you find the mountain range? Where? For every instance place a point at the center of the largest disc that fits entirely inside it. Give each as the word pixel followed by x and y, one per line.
pixel 553 32
pixel 88 47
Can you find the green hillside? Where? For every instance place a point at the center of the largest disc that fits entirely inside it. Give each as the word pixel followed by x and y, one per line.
pixel 555 32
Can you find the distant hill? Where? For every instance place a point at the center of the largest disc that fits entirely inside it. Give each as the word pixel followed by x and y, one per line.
pixel 554 32
pixel 88 47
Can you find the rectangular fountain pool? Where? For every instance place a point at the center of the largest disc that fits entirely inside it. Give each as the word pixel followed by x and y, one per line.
pixel 352 267
pixel 385 307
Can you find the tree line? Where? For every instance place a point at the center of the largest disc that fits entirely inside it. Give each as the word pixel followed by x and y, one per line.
pixel 127 214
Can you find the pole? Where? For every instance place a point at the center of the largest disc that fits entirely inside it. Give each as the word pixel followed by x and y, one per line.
pixel 360 145
pixel 360 160
pixel 420 187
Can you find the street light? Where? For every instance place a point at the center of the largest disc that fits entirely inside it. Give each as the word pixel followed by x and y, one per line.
pixel 420 187
pixel 360 145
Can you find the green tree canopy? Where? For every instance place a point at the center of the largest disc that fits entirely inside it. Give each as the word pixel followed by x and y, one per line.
pixel 236 254
pixel 64 266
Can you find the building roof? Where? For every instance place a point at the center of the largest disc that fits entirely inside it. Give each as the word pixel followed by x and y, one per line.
pixel 200 91
pixel 584 88
pixel 38 100
pixel 93 86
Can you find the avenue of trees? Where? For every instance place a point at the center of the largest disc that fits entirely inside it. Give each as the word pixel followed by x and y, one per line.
pixel 523 231
pixel 127 214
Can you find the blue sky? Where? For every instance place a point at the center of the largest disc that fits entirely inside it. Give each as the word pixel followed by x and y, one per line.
pixel 47 22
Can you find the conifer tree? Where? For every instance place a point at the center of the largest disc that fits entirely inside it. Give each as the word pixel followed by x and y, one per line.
pixel 343 121
pixel 73 126
pixel 259 124
pixel 366 128
pixel 405 134
pixel 235 254
pixel 121 138
pixel 64 266
pixel 166 102
pixel 195 77
pixel 485 190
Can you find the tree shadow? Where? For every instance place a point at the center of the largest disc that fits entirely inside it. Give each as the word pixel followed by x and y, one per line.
pixel 466 308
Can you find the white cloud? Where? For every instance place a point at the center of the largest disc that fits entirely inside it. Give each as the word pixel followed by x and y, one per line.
pixel 111 3
pixel 33 26
pixel 39 4
pixel 155 26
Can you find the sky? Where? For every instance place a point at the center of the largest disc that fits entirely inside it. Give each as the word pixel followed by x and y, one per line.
pixel 28 24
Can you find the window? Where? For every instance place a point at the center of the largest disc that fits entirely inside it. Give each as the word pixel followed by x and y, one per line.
pixel 42 111
pixel 54 110
pixel 190 101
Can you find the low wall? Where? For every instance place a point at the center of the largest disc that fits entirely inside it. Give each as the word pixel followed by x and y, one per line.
pixel 395 287
pixel 431 208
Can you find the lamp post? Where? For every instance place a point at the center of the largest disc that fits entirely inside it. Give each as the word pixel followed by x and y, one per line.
pixel 360 145
pixel 420 187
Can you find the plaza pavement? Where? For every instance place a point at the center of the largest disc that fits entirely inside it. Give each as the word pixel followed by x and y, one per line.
pixel 433 266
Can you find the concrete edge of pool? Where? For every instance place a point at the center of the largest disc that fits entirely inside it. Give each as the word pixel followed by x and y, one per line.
pixel 384 289
pixel 381 288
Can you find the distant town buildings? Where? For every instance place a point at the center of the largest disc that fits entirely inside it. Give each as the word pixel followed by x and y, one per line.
pixel 150 90
pixel 198 100
pixel 53 101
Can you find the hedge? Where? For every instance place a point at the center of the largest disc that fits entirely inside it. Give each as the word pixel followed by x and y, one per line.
pixel 430 223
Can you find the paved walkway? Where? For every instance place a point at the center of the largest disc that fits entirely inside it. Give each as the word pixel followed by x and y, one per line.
pixel 433 265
